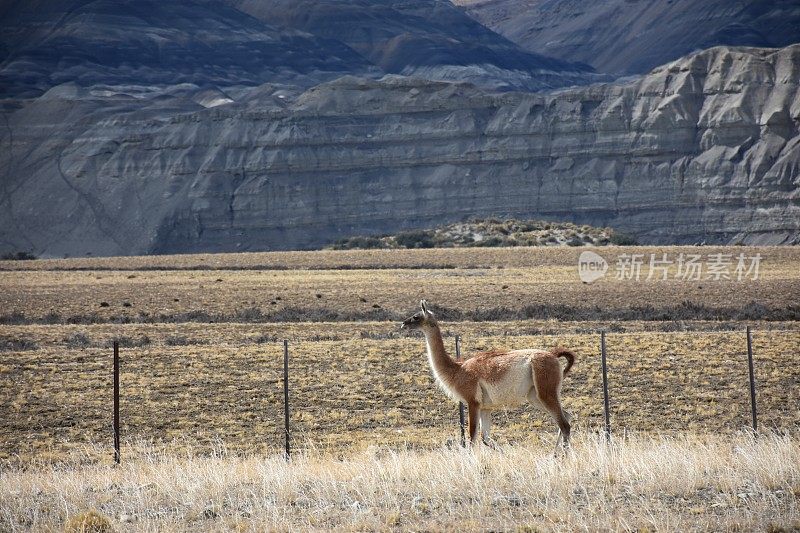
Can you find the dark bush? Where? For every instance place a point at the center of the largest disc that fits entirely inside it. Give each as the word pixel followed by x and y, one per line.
pixel 575 241
pixel 189 316
pixel 753 311
pixel 18 256
pixel 298 314
pixel 14 318
pixel 415 239
pixel 78 339
pixel 121 319
pixel 51 318
pixel 493 313
pixel 10 344
pixel 623 239
pixel 359 242
pixel 491 242
pixel 250 314
pixel 83 319
pixel 180 340
pixel 130 342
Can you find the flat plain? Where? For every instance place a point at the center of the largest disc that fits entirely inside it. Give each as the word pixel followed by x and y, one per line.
pixel 202 357
pixel 202 353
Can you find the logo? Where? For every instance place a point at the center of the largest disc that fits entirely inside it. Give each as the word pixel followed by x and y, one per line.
pixel 591 266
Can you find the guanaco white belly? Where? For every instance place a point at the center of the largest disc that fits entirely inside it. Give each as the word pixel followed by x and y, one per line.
pixel 510 390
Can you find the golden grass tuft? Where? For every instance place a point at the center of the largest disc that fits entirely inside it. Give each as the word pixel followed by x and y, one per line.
pixel 91 521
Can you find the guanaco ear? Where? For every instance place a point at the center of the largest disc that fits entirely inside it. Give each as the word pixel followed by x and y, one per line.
pixel 424 305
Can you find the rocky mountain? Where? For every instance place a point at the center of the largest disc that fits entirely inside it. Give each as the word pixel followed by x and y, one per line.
pixel 706 148
pixel 432 39
pixel 208 43
pixel 146 43
pixel 634 36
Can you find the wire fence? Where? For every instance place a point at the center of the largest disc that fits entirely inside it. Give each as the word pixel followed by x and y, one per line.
pixel 612 380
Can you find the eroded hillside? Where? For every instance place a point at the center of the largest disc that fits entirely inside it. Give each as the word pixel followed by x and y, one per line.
pixel 702 149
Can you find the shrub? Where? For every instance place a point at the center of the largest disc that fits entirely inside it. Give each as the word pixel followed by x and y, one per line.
pixel 250 314
pixel 298 314
pixel 575 241
pixel 88 522
pixel 78 339
pixel 9 344
pixel 359 242
pixel 414 239
pixel 493 313
pixel 178 340
pixel 129 342
pixel 753 311
pixel 14 318
pixel 18 256
pixel 51 318
pixel 491 242
pixel 81 319
pixel 623 239
pixel 189 316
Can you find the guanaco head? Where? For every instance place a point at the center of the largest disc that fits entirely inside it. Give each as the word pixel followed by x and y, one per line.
pixel 420 318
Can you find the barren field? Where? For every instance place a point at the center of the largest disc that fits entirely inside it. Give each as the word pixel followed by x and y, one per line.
pixel 200 384
pixel 201 351
pixel 466 284
pixel 202 358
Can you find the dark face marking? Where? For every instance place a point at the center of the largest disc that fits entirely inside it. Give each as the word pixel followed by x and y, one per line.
pixel 415 321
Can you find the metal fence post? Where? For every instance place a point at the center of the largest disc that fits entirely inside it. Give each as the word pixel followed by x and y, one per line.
pixel 606 408
pixel 286 396
pixel 460 404
pixel 752 379
pixel 117 454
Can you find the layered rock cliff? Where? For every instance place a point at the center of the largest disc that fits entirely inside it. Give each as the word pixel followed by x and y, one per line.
pixel 706 148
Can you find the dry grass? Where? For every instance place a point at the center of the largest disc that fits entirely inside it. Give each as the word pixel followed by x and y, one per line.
pixel 482 282
pixel 223 382
pixel 201 367
pixel 783 258
pixel 644 483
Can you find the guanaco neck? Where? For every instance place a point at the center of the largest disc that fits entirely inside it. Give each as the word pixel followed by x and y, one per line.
pixel 440 362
